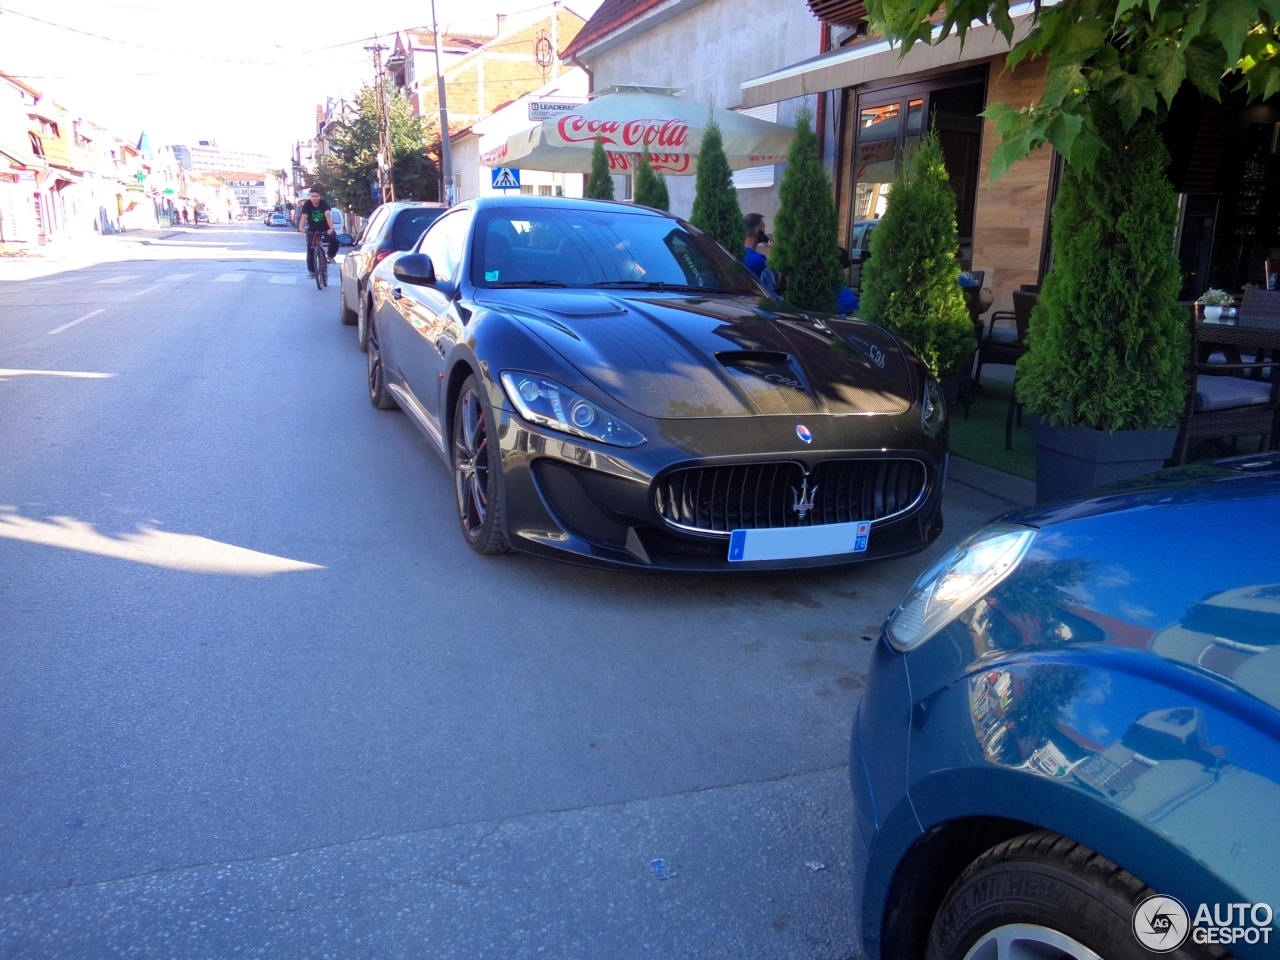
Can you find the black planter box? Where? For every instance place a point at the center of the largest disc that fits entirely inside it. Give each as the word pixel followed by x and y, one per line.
pixel 1073 460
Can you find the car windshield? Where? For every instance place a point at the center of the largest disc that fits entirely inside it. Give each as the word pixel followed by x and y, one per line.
pixel 566 247
pixel 411 224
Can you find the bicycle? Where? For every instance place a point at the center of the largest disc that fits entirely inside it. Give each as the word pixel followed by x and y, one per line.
pixel 316 240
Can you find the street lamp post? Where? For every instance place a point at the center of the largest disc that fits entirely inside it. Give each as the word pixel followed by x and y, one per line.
pixel 446 162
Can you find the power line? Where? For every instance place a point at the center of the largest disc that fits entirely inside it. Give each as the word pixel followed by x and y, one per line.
pixel 141 46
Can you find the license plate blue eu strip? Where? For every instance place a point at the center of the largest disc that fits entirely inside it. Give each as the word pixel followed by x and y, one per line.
pixel 795 543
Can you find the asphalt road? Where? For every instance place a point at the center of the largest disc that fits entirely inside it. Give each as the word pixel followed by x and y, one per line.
pixel 258 698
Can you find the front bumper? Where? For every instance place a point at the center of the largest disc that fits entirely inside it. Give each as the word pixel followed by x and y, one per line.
pixel 593 504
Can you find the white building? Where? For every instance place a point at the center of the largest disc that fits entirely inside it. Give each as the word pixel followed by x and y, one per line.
pixel 473 179
pixel 207 157
pixel 706 48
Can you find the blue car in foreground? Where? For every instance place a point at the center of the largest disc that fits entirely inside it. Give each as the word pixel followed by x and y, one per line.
pixel 1069 744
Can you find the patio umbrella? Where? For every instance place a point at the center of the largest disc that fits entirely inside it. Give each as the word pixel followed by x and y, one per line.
pixel 629 118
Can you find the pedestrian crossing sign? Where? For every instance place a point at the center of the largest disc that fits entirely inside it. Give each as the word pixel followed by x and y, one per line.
pixel 506 178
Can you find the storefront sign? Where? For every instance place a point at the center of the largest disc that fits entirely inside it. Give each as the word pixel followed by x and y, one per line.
pixel 550 109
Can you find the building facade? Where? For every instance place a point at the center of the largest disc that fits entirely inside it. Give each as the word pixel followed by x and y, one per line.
pixel 706 48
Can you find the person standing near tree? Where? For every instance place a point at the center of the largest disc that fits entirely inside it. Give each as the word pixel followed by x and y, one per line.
pixel 755 261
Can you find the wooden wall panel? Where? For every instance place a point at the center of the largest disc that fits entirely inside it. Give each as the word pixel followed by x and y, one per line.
pixel 1009 219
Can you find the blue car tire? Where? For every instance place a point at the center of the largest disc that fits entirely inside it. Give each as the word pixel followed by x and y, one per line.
pixel 1043 895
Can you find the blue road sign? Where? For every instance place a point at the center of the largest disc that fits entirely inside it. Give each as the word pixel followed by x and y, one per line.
pixel 505 178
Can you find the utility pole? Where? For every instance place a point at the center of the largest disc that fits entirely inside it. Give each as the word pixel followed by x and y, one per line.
pixel 386 183
pixel 446 162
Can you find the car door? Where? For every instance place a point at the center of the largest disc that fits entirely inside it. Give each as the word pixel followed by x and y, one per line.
pixel 422 306
pixel 357 264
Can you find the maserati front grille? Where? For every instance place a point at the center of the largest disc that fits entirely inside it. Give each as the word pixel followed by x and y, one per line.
pixel 721 499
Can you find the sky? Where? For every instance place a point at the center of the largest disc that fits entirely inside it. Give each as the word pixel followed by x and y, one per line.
pixel 246 73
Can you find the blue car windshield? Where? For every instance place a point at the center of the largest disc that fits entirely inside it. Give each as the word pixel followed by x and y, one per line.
pixel 566 247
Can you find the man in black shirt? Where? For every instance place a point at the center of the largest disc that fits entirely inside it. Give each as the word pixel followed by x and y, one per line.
pixel 315 217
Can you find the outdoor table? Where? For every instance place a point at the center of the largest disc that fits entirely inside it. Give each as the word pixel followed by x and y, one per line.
pixel 1253 333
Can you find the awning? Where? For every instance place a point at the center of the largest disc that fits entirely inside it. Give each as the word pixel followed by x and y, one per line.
pixel 877 60
pixel 22 156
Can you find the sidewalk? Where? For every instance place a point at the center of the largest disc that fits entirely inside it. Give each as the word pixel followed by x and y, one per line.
pixel 1012 489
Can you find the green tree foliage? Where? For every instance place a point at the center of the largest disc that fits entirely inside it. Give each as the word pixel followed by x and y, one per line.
pixel 651 187
pixel 1044 694
pixel 600 183
pixel 805 230
pixel 1107 61
pixel 1108 339
pixel 911 284
pixel 347 172
pixel 715 204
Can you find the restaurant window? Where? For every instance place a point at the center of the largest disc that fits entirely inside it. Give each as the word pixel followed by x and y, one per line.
pixel 889 125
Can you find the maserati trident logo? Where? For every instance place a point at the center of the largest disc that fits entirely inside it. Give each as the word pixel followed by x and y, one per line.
pixel 802 499
pixel 803 433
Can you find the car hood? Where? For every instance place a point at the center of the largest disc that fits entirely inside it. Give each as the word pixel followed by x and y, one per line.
pixel 677 357
pixel 1179 567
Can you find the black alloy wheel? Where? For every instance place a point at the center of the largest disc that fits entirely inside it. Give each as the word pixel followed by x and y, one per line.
pixel 1042 896
pixel 477 471
pixel 345 316
pixel 379 395
pixel 362 321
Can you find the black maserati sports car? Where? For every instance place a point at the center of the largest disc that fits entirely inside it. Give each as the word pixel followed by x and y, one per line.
pixel 611 387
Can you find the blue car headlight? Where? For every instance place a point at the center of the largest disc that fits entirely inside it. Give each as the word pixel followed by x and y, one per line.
pixel 542 401
pixel 956 581
pixel 933 411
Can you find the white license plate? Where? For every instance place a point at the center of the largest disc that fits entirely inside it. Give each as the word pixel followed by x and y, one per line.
pixel 794 543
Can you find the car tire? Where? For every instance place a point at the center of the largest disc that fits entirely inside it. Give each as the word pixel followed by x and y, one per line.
pixel 346 317
pixel 362 323
pixel 1041 894
pixel 379 395
pixel 477 471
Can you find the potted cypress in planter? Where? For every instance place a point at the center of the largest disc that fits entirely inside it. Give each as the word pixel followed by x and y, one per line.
pixel 1106 371
pixel 911 283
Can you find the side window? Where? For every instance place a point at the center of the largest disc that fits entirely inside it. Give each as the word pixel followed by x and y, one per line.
pixel 443 243
pixel 374 226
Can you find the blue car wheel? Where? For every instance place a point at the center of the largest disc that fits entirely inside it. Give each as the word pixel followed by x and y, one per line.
pixel 1041 896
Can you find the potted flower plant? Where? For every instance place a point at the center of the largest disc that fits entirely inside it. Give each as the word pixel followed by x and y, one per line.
pixel 1213 300
pixel 1105 373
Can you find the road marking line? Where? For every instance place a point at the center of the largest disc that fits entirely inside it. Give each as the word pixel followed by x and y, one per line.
pixel 84 375
pixel 68 326
pixel 50 283
pixel 282 278
pixel 148 290
pixel 124 279
pixel 175 277
pixel 229 278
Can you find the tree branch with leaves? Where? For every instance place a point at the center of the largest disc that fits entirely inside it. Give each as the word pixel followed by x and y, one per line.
pixel 1104 60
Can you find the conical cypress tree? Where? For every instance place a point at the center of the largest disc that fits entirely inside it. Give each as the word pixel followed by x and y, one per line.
pixel 1108 339
pixel 715 205
pixel 804 236
pixel 651 187
pixel 911 284
pixel 600 183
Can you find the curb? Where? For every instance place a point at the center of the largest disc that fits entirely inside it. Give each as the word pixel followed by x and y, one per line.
pixel 995 483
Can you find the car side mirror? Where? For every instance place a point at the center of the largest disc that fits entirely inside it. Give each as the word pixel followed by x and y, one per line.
pixel 415 268
pixel 345 240
pixel 843 255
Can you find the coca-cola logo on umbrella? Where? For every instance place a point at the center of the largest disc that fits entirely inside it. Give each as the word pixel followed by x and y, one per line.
pixel 575 128
pixel 661 162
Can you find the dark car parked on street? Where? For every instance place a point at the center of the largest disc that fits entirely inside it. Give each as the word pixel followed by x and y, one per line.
pixel 611 387
pixel 1069 744
pixel 392 227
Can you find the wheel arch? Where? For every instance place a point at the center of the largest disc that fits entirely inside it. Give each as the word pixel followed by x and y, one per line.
pixel 458 373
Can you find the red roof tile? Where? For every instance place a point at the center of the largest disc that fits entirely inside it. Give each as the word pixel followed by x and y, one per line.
pixel 612 15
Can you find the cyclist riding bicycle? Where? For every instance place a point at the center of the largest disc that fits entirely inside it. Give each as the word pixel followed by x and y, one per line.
pixel 314 215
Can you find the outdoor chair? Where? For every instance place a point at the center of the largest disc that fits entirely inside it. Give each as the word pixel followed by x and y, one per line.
pixel 1229 400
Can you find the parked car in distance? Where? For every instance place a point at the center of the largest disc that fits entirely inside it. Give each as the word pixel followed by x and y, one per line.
pixel 1073 711
pixel 278 220
pixel 392 227
pixel 611 387
pixel 335 215
pixel 860 251
pixel 202 217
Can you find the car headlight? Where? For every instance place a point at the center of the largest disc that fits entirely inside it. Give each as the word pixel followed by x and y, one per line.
pixel 956 581
pixel 542 401
pixel 933 412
